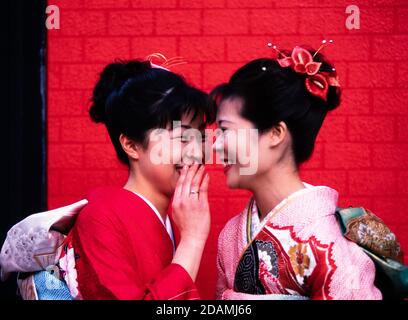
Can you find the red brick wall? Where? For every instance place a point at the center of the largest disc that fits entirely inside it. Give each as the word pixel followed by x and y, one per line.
pixel 362 150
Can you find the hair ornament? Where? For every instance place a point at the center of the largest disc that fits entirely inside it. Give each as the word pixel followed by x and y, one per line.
pixel 158 60
pixel 317 81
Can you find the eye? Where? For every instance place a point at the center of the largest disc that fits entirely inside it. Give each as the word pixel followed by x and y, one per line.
pixel 224 130
pixel 193 137
pixel 180 138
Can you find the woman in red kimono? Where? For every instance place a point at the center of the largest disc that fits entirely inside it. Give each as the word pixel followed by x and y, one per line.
pixel 122 245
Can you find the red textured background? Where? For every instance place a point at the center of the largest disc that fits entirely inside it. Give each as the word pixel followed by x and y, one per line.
pixel 362 150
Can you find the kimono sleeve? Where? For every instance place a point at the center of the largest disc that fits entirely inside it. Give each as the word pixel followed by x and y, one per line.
pixel 107 269
pixel 344 273
pixel 221 285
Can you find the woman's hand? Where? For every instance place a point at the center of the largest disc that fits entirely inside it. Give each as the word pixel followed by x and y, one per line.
pixel 191 214
pixel 191 211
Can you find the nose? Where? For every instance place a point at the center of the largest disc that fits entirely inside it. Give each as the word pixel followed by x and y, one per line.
pixel 218 145
pixel 193 153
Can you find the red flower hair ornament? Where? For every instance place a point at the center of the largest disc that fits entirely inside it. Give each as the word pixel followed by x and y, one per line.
pixel 301 61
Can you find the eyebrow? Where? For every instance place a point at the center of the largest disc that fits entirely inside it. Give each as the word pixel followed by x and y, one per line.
pixel 182 126
pixel 222 120
pixel 186 126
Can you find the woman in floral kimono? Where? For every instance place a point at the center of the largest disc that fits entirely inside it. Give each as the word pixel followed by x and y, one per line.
pixel 287 243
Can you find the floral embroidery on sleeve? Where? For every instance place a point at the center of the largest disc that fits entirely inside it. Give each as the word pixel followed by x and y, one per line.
pixel 68 270
pixel 299 259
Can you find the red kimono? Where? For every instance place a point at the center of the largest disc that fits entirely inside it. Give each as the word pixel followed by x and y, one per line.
pixel 119 249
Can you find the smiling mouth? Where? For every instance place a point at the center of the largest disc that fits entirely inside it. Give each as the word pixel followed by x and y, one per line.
pixel 227 167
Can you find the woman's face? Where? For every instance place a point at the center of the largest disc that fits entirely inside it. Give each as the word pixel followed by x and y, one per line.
pixel 169 149
pixel 245 154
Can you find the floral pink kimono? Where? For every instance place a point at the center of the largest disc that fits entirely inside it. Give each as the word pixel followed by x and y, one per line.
pixel 296 252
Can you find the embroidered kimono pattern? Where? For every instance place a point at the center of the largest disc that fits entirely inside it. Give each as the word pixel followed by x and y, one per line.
pixel 68 272
pixel 296 252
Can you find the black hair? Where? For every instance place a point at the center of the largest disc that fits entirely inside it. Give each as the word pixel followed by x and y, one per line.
pixel 272 93
pixel 132 97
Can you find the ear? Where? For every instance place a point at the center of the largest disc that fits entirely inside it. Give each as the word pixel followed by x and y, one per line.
pixel 278 134
pixel 129 146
